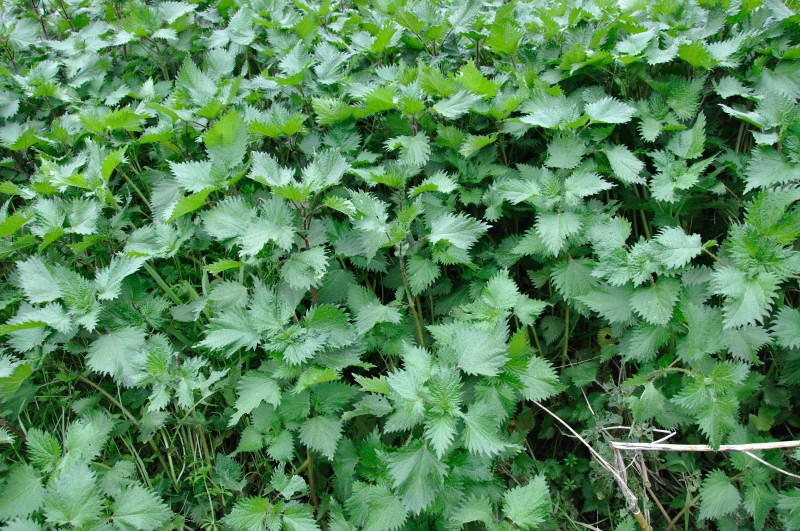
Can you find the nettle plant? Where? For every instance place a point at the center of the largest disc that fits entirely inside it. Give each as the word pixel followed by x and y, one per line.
pixel 397 265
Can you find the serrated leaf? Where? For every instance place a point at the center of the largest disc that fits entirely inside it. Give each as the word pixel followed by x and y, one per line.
pixel 655 303
pixel 253 388
pixel 482 432
pixel 249 514
pixel 108 280
pixel 528 506
pixel 73 498
pixel 140 508
pixel 460 230
pixel 456 105
pixel 786 328
pixel 674 248
pixel 321 434
pixel 472 79
pixel 22 492
pixel 718 496
pixel 119 354
pixel 417 475
pixel 38 280
pixel 540 380
pixel 610 111
pixel 625 165
pixel 479 351
pixel 555 228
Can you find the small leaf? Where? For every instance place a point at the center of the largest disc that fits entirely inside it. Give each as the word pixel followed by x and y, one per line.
pixel 610 110
pixel 528 506
pixel 718 496
pixel 321 434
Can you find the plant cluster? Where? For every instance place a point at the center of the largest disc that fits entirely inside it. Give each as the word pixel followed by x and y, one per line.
pixel 358 265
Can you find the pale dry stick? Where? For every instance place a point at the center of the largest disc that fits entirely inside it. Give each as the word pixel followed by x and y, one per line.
pixel 773 467
pixel 659 446
pixel 621 483
pixel 663 447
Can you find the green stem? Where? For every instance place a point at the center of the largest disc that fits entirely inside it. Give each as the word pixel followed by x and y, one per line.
pixel 411 305
pixel 162 284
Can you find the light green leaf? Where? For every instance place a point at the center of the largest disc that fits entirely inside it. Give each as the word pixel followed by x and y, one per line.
pixel 305 269
pixel 482 432
pixel 226 141
pixel 22 492
pixel 414 150
pixel 457 104
pixel 540 380
pixel 654 303
pixel 120 354
pixel 108 280
pixel 253 388
pixel 249 514
pixel 528 506
pixel 625 165
pixel 610 111
pixel 38 280
pixel 460 230
pixel 321 434
pixel 418 476
pixel 555 228
pixel 718 496
pixel 786 328
pixel 479 351
pixel 73 498
pixel 674 248
pixel 139 508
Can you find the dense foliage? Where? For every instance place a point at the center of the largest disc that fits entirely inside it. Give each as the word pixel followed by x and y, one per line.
pixel 376 265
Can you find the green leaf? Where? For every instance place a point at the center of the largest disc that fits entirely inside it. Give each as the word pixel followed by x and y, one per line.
pixel 22 492
pixel 789 507
pixel 253 388
pixel 73 498
pixel 249 514
pixel 457 105
pixel 414 150
pixel 529 506
pixel 376 508
pixel 555 228
pixel 786 328
pixel 540 380
pixel 747 299
pixel 565 152
pixel 610 111
pixel 626 167
pixel 299 517
pixel 422 273
pixel 119 354
pixel 674 248
pixel 474 143
pixel 305 269
pixel 482 432
pixel 472 79
pixel 479 351
pixel 38 280
pixel 321 434
pixel 108 280
pixel 326 170
pixel 460 230
pixel 139 508
pixel 418 476
pixel 188 204
pixel 226 141
pixel 44 450
pixel 718 496
pixel 655 303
